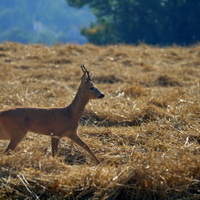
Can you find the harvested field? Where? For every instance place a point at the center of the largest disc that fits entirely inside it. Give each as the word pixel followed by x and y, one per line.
pixel 146 131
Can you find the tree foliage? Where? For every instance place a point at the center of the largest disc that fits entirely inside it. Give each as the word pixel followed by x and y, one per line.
pixel 161 22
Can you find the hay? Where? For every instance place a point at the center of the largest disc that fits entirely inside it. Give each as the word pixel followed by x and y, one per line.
pixel 145 131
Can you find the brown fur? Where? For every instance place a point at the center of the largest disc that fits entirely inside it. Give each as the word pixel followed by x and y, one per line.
pixel 55 122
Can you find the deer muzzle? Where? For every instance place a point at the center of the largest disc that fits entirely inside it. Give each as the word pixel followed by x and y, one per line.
pixel 101 96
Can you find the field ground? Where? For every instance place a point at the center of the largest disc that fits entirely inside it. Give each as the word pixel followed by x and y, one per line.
pixel 146 131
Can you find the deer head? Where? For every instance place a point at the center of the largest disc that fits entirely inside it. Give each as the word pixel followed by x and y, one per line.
pixel 88 86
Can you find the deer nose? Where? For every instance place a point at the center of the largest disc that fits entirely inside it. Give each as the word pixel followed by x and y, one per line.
pixel 101 96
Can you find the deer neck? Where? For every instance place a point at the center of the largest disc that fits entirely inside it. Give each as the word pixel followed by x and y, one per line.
pixel 78 104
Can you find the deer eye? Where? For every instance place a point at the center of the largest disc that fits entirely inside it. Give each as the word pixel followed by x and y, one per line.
pixel 91 88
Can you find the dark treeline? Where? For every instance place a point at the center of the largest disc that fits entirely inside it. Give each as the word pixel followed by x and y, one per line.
pixel 162 22
pixel 155 22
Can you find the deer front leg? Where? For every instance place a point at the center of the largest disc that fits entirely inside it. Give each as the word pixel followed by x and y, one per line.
pixel 78 141
pixel 54 145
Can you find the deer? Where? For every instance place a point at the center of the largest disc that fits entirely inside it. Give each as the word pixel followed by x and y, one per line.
pixel 55 122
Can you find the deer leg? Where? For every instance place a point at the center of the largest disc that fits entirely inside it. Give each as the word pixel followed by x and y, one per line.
pixel 14 141
pixel 54 145
pixel 78 141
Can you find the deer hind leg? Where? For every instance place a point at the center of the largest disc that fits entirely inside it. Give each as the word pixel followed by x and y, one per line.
pixel 15 140
pixel 78 141
pixel 54 145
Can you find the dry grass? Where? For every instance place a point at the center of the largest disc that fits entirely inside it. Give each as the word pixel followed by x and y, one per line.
pixel 145 132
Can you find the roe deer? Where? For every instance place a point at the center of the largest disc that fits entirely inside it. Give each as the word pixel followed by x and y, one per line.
pixel 55 122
